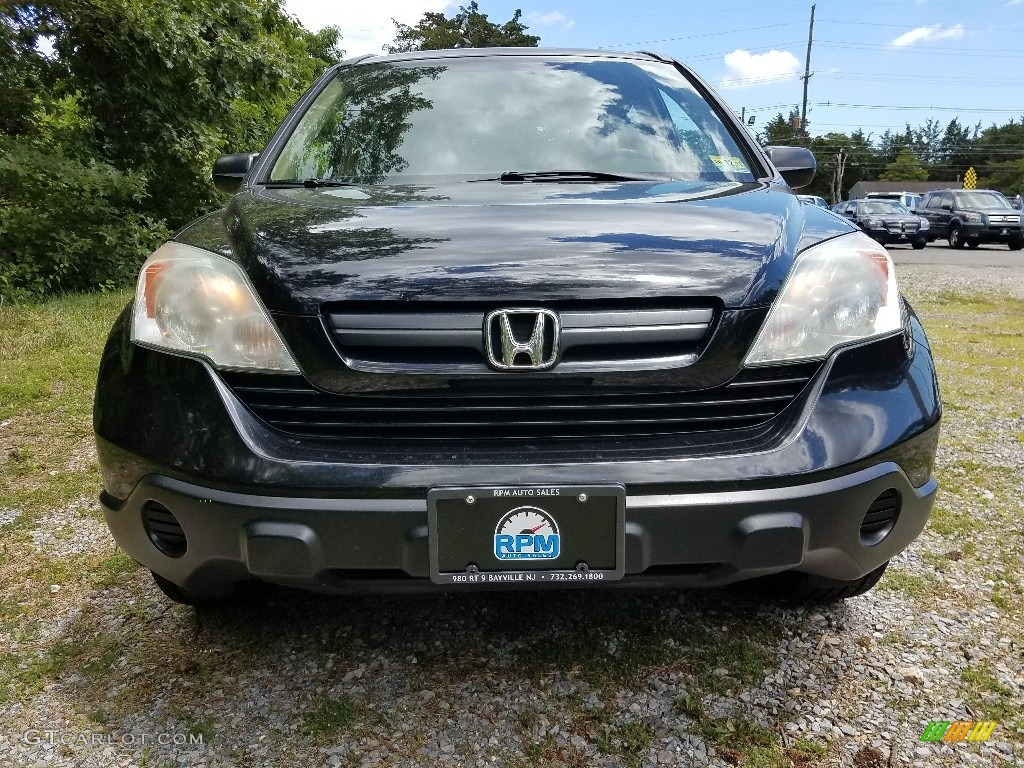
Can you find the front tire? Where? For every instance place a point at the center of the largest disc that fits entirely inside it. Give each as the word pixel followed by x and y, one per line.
pixel 917 245
pixel 972 244
pixel 804 588
pixel 1015 245
pixel 956 237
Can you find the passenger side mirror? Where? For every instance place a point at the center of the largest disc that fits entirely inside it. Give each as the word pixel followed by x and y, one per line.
pixel 796 164
pixel 229 171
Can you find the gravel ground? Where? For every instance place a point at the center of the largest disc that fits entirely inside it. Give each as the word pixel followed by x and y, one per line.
pixel 560 679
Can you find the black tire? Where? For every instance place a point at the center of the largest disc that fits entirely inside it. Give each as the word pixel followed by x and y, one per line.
pixel 1015 245
pixel 802 588
pixel 972 244
pixel 917 245
pixel 956 238
pixel 175 593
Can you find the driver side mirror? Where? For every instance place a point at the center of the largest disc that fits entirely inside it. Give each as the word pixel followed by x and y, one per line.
pixel 229 171
pixel 796 164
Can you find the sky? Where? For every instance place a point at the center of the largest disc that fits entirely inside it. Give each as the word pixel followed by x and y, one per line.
pixel 875 64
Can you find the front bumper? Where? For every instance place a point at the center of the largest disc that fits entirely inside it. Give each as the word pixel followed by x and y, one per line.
pixel 252 503
pixel 351 545
pixel 883 236
pixel 992 232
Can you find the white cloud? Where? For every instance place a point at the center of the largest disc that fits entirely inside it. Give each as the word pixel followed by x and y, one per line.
pixel 365 26
pixel 928 35
pixel 554 18
pixel 746 68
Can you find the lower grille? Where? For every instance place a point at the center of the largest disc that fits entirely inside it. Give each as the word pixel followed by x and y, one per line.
pixel 512 411
pixel 164 530
pixel 880 517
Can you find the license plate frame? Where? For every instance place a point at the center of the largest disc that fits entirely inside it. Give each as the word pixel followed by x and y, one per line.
pixel 589 527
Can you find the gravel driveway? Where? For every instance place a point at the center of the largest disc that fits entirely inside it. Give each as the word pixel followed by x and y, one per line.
pixel 108 673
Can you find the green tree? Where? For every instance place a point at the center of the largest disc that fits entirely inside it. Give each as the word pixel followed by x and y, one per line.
pixel 906 167
pixel 109 141
pixel 171 84
pixel 999 156
pixel 956 153
pixel 780 131
pixel 467 29
pixel 1006 176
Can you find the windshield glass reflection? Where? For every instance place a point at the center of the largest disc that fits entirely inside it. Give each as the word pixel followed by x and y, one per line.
pixel 389 123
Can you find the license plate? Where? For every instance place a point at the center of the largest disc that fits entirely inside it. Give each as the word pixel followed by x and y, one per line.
pixel 518 535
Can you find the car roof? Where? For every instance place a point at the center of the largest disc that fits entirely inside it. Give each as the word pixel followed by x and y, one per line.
pixel 486 53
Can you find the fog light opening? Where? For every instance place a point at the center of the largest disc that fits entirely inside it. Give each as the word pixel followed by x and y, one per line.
pixel 164 530
pixel 880 518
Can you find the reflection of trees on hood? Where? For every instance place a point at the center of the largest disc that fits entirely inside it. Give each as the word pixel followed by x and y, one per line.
pixel 364 123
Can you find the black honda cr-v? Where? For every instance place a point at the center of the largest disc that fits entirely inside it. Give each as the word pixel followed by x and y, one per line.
pixel 516 318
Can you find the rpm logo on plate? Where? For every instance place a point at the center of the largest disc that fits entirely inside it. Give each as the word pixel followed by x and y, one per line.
pixel 526 533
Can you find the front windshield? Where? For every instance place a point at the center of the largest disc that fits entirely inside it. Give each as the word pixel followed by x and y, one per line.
pixel 479 117
pixel 884 207
pixel 981 200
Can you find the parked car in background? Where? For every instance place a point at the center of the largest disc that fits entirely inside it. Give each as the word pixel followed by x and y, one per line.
pixel 813 200
pixel 516 318
pixel 908 199
pixel 970 217
pixel 886 221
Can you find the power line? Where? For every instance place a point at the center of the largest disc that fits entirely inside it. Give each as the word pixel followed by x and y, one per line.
pixel 904 26
pixel 998 53
pixel 707 34
pixel 896 107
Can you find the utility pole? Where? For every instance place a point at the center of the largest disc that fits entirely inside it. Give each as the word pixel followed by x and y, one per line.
pixel 805 78
pixel 837 175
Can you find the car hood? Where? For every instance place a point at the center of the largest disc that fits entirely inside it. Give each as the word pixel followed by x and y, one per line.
pixel 515 242
pixel 894 218
pixel 995 211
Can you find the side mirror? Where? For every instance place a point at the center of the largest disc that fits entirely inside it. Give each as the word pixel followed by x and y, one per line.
pixel 230 170
pixel 796 164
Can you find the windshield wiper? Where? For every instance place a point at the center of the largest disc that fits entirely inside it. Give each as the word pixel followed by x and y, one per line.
pixel 572 176
pixel 310 183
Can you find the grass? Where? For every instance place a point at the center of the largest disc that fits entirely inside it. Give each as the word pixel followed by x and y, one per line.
pixel 330 716
pixel 49 357
pixel 921 587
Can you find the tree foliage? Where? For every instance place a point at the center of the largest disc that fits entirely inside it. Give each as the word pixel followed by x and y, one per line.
pixel 122 122
pixel 466 29
pixel 906 167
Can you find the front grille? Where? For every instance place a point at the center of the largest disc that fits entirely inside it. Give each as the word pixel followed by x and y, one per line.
pixel 518 410
pixel 447 338
pixel 907 227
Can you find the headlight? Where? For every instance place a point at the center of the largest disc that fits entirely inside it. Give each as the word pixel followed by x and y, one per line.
pixel 923 223
pixel 839 292
pixel 193 302
pixel 873 223
pixel 973 218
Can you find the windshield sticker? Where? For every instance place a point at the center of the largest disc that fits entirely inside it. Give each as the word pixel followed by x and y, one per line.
pixel 729 164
